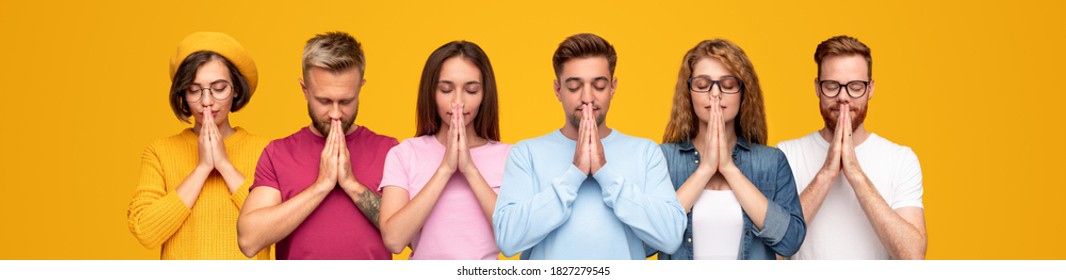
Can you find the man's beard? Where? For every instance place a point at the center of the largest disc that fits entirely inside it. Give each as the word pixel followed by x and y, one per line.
pixel 857 117
pixel 576 115
pixel 323 126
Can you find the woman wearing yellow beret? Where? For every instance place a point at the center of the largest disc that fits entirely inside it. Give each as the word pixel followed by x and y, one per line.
pixel 193 184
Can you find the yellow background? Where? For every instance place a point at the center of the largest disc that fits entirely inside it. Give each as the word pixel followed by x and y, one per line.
pixel 973 87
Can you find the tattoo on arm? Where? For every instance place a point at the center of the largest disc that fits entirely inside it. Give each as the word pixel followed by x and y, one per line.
pixel 370 204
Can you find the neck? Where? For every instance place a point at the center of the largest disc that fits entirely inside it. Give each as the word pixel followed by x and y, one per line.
pixel 570 131
pixel 857 137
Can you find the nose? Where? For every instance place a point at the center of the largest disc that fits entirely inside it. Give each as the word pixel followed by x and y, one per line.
pixel 586 95
pixel 335 111
pixel 458 98
pixel 205 97
pixel 843 97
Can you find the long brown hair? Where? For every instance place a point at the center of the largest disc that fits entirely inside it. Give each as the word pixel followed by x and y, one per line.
pixel 487 121
pixel 751 124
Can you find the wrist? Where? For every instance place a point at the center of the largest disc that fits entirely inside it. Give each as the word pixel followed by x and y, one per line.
pixel 854 173
pixel 224 166
pixel 826 175
pixel 730 169
pixel 203 168
pixel 353 187
pixel 444 169
pixel 469 170
pixel 323 186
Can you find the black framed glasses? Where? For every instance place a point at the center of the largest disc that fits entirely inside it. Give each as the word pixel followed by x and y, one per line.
pixel 220 90
pixel 728 84
pixel 831 89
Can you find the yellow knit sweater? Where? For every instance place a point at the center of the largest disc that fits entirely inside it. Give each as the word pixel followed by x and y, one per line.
pixel 208 230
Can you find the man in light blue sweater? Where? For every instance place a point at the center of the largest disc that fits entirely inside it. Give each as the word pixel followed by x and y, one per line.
pixel 586 191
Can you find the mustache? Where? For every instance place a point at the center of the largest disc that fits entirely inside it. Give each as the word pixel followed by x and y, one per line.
pixel 594 107
pixel 852 108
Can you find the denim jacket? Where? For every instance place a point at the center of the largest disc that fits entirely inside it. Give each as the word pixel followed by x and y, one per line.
pixel 767 168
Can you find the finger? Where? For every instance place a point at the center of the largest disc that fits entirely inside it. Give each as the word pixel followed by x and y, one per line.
pixel 341 144
pixel 453 132
pixel 713 123
pixel 582 128
pixel 594 129
pixel 457 123
pixel 462 127
pixel 847 127
pixel 839 134
pixel 338 136
pixel 847 121
pixel 331 141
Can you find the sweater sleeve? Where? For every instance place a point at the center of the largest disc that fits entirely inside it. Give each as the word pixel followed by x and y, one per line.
pixel 154 213
pixel 241 194
pixel 528 210
pixel 649 207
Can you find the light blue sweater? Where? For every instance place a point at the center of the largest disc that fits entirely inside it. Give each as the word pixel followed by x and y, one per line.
pixel 548 209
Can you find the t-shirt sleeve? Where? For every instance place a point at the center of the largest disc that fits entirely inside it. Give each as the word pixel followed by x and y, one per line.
pixel 495 179
pixel 265 175
pixel 395 171
pixel 908 181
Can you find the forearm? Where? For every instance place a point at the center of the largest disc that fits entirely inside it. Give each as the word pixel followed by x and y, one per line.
pixel 525 214
pixel 484 194
pixel 399 226
pixel 751 199
pixel 154 215
pixel 690 191
pixel 233 177
pixel 368 202
pixel 259 226
pixel 648 207
pixel 903 239
pixel 812 197
pixel 189 189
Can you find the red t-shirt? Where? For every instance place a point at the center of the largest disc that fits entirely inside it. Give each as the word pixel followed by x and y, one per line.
pixel 336 229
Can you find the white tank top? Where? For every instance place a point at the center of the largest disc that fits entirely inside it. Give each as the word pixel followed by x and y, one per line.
pixel 717 226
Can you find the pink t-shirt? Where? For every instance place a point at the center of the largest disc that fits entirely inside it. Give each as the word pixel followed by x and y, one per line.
pixel 336 229
pixel 456 228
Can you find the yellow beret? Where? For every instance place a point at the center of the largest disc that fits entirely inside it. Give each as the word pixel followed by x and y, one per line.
pixel 223 45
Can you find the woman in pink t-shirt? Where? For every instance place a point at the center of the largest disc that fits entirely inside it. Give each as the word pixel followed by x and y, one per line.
pixel 439 188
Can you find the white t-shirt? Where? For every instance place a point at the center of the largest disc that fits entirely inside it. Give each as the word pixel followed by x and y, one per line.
pixel 717 224
pixel 840 229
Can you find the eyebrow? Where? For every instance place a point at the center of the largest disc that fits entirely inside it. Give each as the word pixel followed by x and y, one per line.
pixel 219 80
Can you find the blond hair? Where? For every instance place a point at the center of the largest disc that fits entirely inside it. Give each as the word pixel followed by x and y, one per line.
pixel 334 51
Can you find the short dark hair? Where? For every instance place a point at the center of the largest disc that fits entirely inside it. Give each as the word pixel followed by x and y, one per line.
pixel 583 45
pixel 186 74
pixel 487 121
pixel 843 45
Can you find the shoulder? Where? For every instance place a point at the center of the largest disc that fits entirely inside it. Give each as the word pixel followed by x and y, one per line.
pixel 254 141
pixel 412 145
pixel 900 152
pixel 373 138
pixel 498 146
pixel 285 142
pixel 767 151
pixel 796 143
pixel 169 143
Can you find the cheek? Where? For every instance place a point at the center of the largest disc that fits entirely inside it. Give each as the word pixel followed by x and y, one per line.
pixel 473 112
